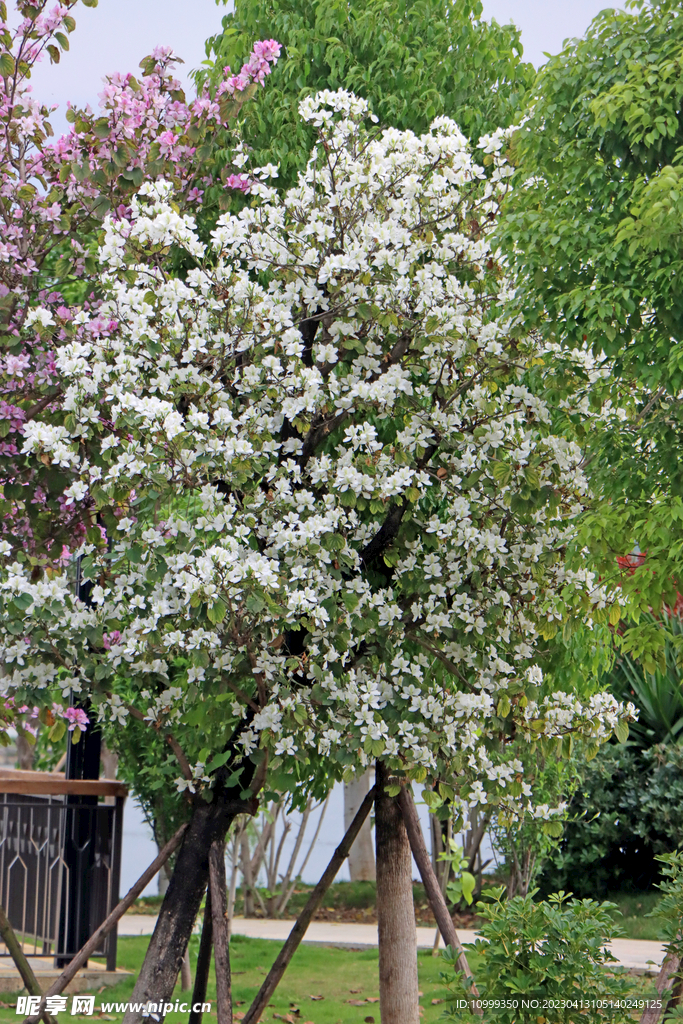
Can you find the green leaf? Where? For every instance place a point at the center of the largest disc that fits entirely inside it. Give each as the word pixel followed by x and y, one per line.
pixel 502 472
pixel 135 176
pixel 332 542
pixel 217 611
pixel 218 761
pixel 101 128
pixel 57 731
pixel 621 730
pixel 554 829
pixel 255 604
pixel 468 883
pixel 6 65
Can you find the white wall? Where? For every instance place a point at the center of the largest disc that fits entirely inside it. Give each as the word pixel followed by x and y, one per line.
pixel 139 849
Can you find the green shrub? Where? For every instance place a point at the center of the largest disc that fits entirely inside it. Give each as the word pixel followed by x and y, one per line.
pixel 628 810
pixel 539 960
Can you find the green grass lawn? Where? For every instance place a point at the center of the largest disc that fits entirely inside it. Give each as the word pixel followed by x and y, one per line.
pixel 633 920
pixel 343 977
pixel 340 976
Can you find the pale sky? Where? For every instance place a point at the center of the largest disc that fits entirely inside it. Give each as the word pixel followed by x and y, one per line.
pixel 115 36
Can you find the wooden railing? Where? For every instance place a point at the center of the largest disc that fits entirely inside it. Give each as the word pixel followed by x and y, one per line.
pixel 55 784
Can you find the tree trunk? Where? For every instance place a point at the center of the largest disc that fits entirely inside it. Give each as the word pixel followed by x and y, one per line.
pixel 247 882
pixel 25 753
pixel 362 855
pixel 186 972
pixel 159 972
pixel 109 761
pixel 398 987
pixel 435 896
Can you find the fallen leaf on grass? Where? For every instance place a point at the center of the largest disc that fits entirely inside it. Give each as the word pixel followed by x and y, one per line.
pixel 355 991
pixel 238 1016
pixel 287 1017
pixel 356 1002
pixel 436 1002
pixel 316 998
pixel 372 999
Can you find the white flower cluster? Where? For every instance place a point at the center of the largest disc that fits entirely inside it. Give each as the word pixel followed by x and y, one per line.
pixel 329 482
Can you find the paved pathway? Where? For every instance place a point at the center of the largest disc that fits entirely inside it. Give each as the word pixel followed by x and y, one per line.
pixel 633 953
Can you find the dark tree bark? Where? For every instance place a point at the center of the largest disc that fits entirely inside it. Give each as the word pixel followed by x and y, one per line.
pixel 221 938
pixel 398 986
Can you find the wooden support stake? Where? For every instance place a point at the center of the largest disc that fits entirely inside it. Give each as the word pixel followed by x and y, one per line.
pixel 201 974
pixel 297 933
pixel 23 966
pixel 432 888
pixel 221 937
pixel 117 913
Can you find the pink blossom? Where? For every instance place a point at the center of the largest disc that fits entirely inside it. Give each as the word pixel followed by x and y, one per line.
pixel 15 365
pixel 76 717
pixel 239 181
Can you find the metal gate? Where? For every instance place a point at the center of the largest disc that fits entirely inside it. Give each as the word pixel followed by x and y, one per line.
pixel 60 862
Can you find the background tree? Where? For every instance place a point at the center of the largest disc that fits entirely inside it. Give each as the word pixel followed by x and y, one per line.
pixel 594 231
pixel 413 61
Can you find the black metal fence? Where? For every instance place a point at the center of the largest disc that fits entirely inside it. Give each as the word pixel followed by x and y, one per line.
pixel 60 861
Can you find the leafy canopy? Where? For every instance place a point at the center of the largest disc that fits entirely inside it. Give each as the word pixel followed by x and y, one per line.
pixel 413 61
pixel 594 231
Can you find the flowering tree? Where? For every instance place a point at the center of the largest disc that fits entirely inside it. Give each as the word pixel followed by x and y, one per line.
pixel 53 198
pixel 322 490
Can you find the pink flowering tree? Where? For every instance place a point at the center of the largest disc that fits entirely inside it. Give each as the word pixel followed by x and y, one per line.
pixel 53 197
